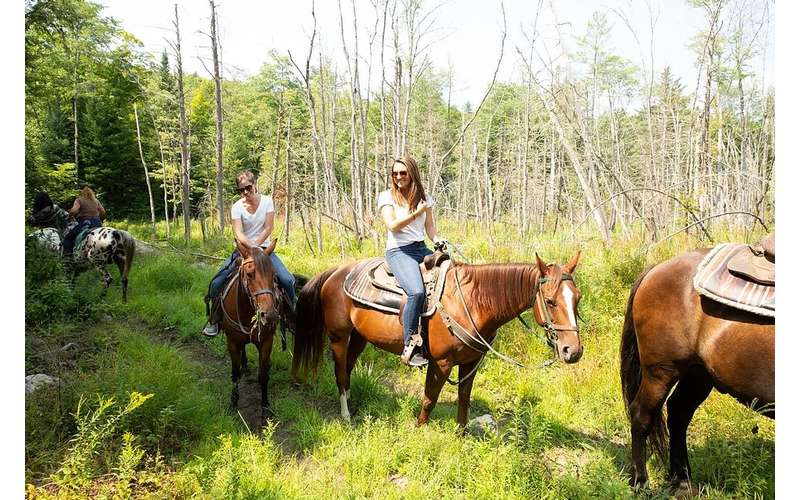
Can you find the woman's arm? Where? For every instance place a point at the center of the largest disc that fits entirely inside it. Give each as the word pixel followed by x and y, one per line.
pixel 100 209
pixel 395 224
pixel 238 232
pixel 76 207
pixel 269 224
pixel 430 225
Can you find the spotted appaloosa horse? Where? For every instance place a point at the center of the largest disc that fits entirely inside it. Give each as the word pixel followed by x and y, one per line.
pixel 100 246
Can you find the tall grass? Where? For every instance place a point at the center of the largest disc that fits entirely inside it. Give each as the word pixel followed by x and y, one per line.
pixel 562 434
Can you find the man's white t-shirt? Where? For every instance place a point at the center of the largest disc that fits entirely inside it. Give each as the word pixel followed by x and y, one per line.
pixel 253 224
pixel 414 231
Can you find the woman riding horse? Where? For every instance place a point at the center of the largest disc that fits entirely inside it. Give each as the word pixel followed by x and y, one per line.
pixel 252 218
pixel 87 210
pixel 407 212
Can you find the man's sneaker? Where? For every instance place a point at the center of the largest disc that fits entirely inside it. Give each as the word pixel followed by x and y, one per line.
pixel 211 330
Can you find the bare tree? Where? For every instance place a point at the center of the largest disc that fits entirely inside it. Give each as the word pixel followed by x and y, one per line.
pixel 185 151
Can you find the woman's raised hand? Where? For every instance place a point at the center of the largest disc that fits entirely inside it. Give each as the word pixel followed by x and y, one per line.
pixel 421 207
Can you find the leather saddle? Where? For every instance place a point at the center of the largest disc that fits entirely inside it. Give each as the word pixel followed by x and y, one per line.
pixel 756 262
pixel 741 276
pixel 372 283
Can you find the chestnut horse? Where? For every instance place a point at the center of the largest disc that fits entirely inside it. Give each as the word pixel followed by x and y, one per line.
pixel 674 337
pixel 250 306
pixel 490 295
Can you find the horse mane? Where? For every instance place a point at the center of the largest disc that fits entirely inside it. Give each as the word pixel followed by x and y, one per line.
pixel 519 280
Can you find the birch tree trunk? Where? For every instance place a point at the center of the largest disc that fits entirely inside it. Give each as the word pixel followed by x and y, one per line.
pixel 146 173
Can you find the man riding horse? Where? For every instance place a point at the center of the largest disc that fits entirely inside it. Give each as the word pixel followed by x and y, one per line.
pixel 252 218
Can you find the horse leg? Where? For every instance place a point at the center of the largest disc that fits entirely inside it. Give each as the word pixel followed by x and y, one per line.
pixel 434 380
pixel 264 353
pixel 465 379
pixel 692 390
pixel 119 260
pixel 354 350
pixel 235 351
pixel 339 343
pixel 645 411
pixel 245 368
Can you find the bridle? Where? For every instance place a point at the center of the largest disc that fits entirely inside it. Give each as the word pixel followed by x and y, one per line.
pixel 253 297
pixel 551 329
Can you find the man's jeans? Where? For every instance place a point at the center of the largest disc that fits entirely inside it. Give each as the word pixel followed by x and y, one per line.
pixel 285 278
pixel 404 262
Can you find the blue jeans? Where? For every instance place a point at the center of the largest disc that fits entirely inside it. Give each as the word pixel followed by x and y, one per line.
pixel 404 262
pixel 285 278
pixel 86 223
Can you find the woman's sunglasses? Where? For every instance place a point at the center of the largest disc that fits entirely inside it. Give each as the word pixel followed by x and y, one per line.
pixel 400 174
pixel 245 189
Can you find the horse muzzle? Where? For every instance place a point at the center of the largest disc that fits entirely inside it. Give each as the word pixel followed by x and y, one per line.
pixel 570 352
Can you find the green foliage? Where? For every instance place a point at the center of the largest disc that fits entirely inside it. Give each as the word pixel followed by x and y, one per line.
pixel 563 431
pixel 95 428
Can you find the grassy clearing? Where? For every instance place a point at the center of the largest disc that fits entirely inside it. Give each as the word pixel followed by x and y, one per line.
pixel 563 431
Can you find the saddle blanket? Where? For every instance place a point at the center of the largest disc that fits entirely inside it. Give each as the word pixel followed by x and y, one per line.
pixel 361 285
pixel 714 281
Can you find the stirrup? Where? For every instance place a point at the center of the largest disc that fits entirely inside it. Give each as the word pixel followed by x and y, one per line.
pixel 411 355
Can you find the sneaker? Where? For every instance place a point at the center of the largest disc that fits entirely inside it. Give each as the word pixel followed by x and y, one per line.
pixel 412 357
pixel 211 330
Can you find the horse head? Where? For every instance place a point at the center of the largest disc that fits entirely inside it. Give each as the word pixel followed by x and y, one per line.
pixel 555 307
pixel 258 278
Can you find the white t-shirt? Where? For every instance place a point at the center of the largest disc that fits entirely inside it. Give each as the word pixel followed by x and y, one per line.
pixel 414 231
pixel 252 224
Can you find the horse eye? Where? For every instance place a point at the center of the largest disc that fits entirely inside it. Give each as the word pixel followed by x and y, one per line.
pixel 550 302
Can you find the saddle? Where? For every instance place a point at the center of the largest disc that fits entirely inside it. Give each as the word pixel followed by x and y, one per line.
pixel 741 276
pixel 372 283
pixel 80 237
pixel 756 262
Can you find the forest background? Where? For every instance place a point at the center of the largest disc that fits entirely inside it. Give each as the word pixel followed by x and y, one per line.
pixel 580 137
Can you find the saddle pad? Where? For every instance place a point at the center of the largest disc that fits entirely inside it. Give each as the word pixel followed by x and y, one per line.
pixel 359 286
pixel 81 237
pixel 713 280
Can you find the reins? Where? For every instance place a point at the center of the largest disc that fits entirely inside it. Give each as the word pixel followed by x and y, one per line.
pixel 475 341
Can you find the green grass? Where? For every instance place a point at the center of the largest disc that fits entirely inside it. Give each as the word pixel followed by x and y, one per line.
pixel 563 431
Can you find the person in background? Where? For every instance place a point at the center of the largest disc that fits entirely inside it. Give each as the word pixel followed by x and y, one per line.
pixel 407 212
pixel 87 210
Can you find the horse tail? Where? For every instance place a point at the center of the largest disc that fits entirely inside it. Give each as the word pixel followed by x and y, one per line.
pixel 631 373
pixel 128 244
pixel 310 335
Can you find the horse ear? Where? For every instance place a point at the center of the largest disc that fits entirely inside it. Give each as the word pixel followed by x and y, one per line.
pixel 541 265
pixel 573 263
pixel 270 248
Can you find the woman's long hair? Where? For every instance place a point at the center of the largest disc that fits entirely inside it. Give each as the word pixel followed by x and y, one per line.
pixel 87 192
pixel 416 191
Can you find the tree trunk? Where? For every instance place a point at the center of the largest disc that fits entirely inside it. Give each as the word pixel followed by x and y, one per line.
pixel 146 173
pixel 218 116
pixel 185 153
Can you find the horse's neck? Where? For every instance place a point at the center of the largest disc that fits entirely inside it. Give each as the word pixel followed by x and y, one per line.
pixel 502 291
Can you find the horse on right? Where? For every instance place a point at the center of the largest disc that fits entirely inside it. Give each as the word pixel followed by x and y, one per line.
pixel 699 321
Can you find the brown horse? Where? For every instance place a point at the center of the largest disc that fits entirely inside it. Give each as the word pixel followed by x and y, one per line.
pixel 250 305
pixel 490 296
pixel 674 337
